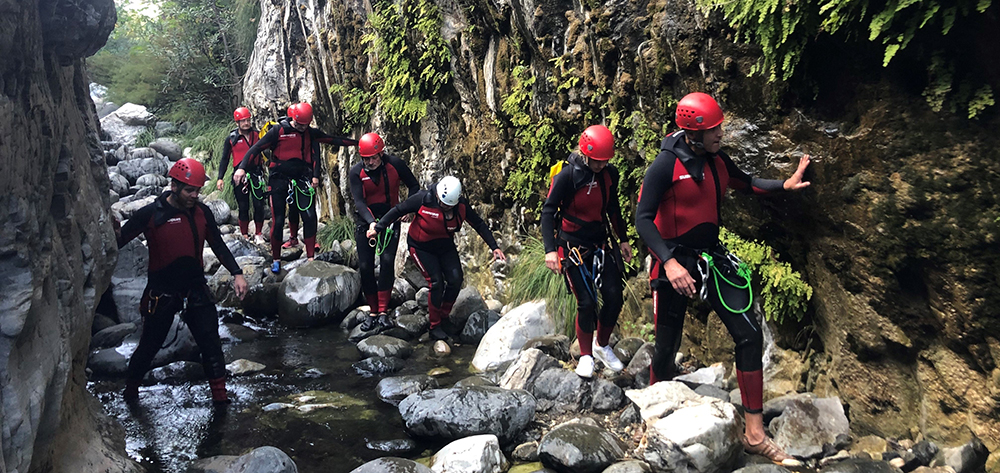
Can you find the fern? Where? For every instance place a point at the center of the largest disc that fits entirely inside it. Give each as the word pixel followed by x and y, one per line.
pixel 786 296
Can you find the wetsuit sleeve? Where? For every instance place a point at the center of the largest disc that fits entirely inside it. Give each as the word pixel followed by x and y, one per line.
pixel 477 223
pixel 408 206
pixel 658 179
pixel 615 208
pixel 214 238
pixel 227 151
pixel 562 187
pixel 317 162
pixel 268 141
pixel 357 191
pixel 136 225
pixel 322 137
pixel 746 183
pixel 405 175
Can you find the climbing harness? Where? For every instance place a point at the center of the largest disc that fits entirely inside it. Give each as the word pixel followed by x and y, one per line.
pixel 381 240
pixel 154 303
pixel 255 186
pixel 709 269
pixel 592 276
pixel 294 191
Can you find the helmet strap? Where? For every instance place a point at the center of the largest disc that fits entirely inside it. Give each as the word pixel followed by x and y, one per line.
pixel 695 141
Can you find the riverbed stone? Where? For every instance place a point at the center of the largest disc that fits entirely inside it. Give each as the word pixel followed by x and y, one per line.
pixel 414 324
pixel 806 425
pixel 530 364
pixel 112 336
pixel 317 293
pixel 704 438
pixel 178 372
pixel 168 147
pixel 394 389
pixel 392 464
pixel 385 346
pixel 474 454
pixel 378 365
pixel 555 345
pixel 504 340
pixel 860 465
pixel 244 366
pixel 714 375
pixel 664 398
pixel 478 323
pixel 449 414
pixel 579 447
pixel 263 460
pixel 393 447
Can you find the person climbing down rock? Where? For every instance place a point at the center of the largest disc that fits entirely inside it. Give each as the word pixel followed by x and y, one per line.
pixel 176 227
pixel 439 214
pixel 678 217
pixel 582 204
pixel 253 191
pixel 294 174
pixel 375 185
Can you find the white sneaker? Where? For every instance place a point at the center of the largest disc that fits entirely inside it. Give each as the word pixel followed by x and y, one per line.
pixel 585 369
pixel 607 356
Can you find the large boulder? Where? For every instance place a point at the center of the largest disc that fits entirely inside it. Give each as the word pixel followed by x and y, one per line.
pixel 126 123
pixel 255 272
pixel 135 168
pixel 579 447
pixel 469 300
pixel 129 281
pixel 394 389
pixel 450 414
pixel 530 363
pixel 220 210
pixel 806 425
pixel 392 464
pixel 475 454
pixel 477 324
pixel 663 398
pixel 705 439
pixel 316 293
pixel 385 346
pixel 168 148
pixel 263 460
pixel 504 340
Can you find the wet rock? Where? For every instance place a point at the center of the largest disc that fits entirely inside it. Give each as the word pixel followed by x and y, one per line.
pixel 168 148
pixel 216 464
pixel 704 438
pixel 448 414
pixel 243 366
pixel 504 340
pixel 475 454
pixel 805 425
pixel 102 322
pixel 639 366
pixel 924 451
pixel 474 381
pixel 441 348
pixel 469 301
pixel 871 444
pixel 967 458
pixel 629 416
pixel 119 184
pixel 837 457
pixel 712 391
pixel 776 406
pixel 152 180
pixel 401 311
pixel 317 293
pixel 478 323
pixel 393 447
pixel 277 406
pixel 526 452
pixel 563 387
pixel 357 335
pixel 858 465
pixel 665 397
pixel 763 468
pixel 385 346
pixel 254 271
pixel 353 319
pixel 111 336
pixel 129 280
pixel 392 464
pixel 714 375
pixel 107 362
pixel 178 372
pixel 377 365
pixel 530 364
pixel 421 296
pixel 631 466
pixel 627 348
pixel 394 389
pixel 438 372
pixel 606 396
pixel 556 346
pixel 579 447
pixel 414 324
pixel 235 333
pixel 263 460
pixel 402 291
pixel 240 247
pixel 261 301
pixel 220 210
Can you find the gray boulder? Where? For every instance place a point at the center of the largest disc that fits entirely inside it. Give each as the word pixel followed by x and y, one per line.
pixel 449 414
pixel 178 372
pixel 254 271
pixel 385 346
pixel 107 362
pixel 580 448
pixel 142 153
pixel 119 184
pixel 528 366
pixel 504 340
pixel 168 148
pixel 393 447
pixel 377 365
pixel 469 300
pixel 414 324
pixel 151 180
pixel 475 454
pixel 263 460
pixel 705 438
pixel 112 336
pixel 631 466
pixel 135 168
pixel 394 389
pixel 316 293
pixel 392 464
pixel 806 424
pixel 402 291
pixel 556 346
pixel 477 324
pixel 129 280
pixel 220 210
pixel 966 458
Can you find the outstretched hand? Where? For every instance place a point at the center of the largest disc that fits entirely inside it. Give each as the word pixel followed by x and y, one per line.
pixel 498 255
pixel 795 183
pixel 552 262
pixel 240 285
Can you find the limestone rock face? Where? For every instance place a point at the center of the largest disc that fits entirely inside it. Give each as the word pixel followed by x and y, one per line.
pixel 57 246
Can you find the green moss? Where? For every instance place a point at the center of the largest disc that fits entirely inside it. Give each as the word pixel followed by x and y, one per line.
pixel 785 295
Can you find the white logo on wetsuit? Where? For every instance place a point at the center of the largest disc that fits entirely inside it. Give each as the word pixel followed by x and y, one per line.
pixel 174 220
pixel 430 214
pixel 685 176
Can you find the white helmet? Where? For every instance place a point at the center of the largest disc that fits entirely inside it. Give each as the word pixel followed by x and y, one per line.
pixel 448 190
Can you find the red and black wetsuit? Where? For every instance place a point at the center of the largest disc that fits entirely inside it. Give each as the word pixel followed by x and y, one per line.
pixel 678 217
pixel 237 145
pixel 295 161
pixel 586 203
pixel 375 192
pixel 176 238
pixel 432 246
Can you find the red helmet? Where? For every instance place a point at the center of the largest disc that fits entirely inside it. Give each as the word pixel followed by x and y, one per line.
pixel 596 142
pixel 188 171
pixel 698 111
pixel 241 113
pixel 291 109
pixel 302 113
pixel 370 144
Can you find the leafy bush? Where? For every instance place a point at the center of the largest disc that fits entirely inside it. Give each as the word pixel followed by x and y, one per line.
pixel 206 136
pixel 786 296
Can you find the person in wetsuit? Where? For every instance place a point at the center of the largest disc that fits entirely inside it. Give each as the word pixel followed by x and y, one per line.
pixel 584 196
pixel 176 227
pixel 439 214
pixel 375 185
pixel 294 174
pixel 678 219
pixel 236 146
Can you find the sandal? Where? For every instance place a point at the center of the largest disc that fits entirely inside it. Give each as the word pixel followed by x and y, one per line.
pixel 770 450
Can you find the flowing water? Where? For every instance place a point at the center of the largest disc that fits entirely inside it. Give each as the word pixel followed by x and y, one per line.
pixel 173 425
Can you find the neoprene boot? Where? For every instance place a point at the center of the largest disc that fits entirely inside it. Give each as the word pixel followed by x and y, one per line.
pixel 131 393
pixel 219 394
